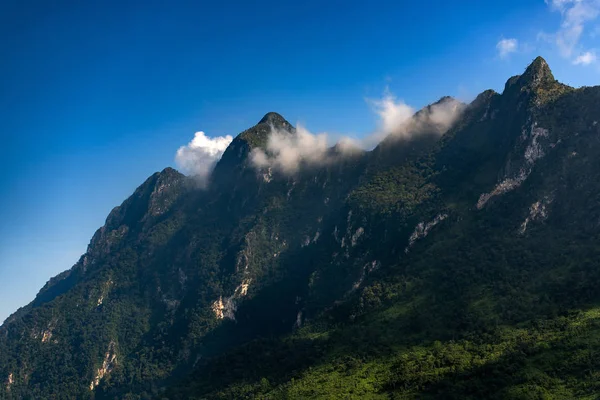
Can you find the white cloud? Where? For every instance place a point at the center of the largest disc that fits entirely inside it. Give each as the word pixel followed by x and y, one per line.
pixel 392 113
pixel 200 155
pixel 586 58
pixel 287 151
pixel 440 116
pixel 398 119
pixel 576 14
pixel 506 47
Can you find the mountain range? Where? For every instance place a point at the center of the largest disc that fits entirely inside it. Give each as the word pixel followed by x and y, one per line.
pixel 458 259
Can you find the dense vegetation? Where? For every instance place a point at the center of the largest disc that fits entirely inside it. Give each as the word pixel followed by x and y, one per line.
pixel 464 266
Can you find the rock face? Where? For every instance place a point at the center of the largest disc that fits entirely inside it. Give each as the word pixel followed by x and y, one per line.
pixel 109 362
pixel 9 382
pixel 474 240
pixel 422 230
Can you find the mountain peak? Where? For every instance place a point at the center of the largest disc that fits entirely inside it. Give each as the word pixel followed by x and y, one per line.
pixel 538 63
pixel 445 99
pixel 273 118
pixel 170 172
pixel 257 136
pixel 537 72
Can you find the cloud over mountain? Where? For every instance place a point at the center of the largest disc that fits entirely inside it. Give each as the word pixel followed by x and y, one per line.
pixel 287 152
pixel 200 155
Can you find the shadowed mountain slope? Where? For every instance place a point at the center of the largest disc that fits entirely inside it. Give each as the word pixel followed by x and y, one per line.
pixel 447 263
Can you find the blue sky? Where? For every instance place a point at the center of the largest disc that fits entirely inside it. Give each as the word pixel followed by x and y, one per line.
pixel 98 95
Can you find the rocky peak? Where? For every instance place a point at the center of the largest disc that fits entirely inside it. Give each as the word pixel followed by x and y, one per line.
pixel 170 173
pixel 537 72
pixel 255 136
pixel 272 118
pixel 446 99
pixel 235 157
pixel 535 87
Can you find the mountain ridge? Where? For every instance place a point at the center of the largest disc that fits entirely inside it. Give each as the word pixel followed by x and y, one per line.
pixel 416 270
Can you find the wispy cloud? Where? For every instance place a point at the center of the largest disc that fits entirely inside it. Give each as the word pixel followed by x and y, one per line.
pixel 392 113
pixel 576 15
pixel 200 155
pixel 586 58
pixel 507 46
pixel 577 23
pixel 287 153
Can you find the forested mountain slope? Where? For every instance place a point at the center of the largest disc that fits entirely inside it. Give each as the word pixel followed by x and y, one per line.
pixel 455 265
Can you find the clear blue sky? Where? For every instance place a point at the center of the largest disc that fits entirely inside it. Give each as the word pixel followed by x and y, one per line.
pixel 97 95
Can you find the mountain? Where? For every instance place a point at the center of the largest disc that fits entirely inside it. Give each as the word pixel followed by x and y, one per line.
pixel 454 263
